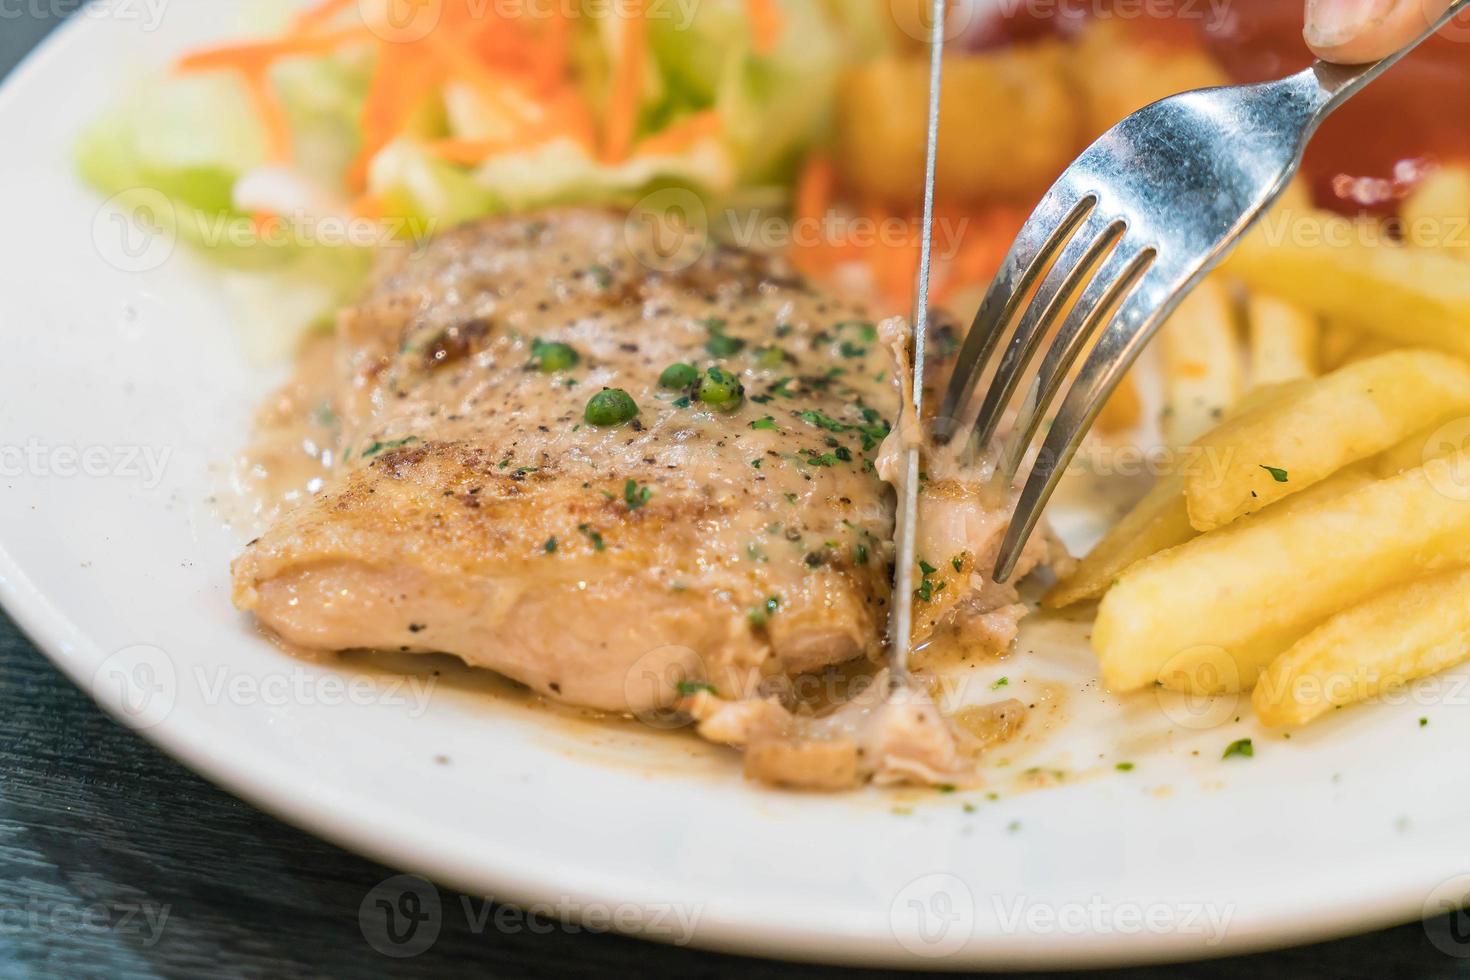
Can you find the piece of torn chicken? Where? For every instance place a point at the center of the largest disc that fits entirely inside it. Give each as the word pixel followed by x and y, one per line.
pixel 714 529
pixel 962 519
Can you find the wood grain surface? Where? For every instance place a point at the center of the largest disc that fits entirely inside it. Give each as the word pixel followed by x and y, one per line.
pixel 117 862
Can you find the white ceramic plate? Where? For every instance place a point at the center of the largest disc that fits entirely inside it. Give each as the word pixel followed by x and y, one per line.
pixel 119 573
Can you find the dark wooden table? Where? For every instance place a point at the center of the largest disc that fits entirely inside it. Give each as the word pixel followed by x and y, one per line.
pixel 115 861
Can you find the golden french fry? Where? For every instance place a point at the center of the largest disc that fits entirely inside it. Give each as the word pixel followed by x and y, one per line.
pixel 1117 71
pixel 1202 366
pixel 1284 341
pixel 1159 521
pixel 1349 415
pixel 1350 272
pixel 1124 408
pixel 1009 118
pixel 1156 522
pixel 1237 597
pixel 1378 646
pixel 1437 214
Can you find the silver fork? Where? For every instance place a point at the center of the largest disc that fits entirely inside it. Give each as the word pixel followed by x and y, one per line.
pixel 1153 205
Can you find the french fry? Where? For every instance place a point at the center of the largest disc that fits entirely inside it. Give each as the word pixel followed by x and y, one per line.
pixel 1117 71
pixel 1159 521
pixel 1124 408
pixel 1202 367
pixel 1284 341
pixel 1437 214
pixel 1343 417
pixel 1010 121
pixel 1378 646
pixel 1214 611
pixel 1156 522
pixel 1338 269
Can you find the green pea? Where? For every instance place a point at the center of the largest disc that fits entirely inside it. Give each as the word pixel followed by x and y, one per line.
pixel 678 376
pixel 611 406
pixel 553 357
pixel 721 390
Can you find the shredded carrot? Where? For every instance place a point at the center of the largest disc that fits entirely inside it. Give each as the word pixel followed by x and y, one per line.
pixel 404 78
pixel 367 206
pixel 320 14
pixel 766 23
pixel 272 114
pixel 987 237
pixel 256 54
pixel 627 86
pixel 680 136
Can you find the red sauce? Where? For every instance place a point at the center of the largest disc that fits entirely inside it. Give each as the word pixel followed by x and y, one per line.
pixel 1378 146
pixel 1372 152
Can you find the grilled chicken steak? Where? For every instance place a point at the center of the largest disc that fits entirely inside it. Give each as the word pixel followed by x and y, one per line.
pixel 627 477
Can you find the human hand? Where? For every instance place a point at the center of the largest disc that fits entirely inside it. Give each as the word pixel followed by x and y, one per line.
pixel 1352 32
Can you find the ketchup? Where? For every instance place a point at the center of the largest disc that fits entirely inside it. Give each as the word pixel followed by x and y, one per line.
pixel 1370 154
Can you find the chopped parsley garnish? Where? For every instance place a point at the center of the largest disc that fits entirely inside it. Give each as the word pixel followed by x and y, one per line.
pixel 677 376
pixel 756 462
pixel 601 275
pixel 1277 474
pixel 926 568
pixel 688 689
pixel 925 591
pixel 1243 748
pixel 1423 722
pixel 823 421
pixel 958 561
pixel 770 357
pixel 791 498
pixel 611 406
pixel 1003 682
pixel 593 536
pixel 814 458
pixel 375 448
pixel 782 388
pixel 762 614
pixel 550 546
pixel 634 495
pixel 720 344
pixel 784 330
pixel 860 554
pixel 864 329
pixel 1124 767
pixel 552 357
pixel 849 349
pixel 766 423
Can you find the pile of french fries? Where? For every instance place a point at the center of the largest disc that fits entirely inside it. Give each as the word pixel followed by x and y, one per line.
pixel 1313 542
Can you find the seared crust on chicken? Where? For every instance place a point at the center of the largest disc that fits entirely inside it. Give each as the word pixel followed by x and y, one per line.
pixel 473 508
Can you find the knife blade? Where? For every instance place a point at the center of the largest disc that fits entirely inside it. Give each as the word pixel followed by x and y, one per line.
pixel 907 517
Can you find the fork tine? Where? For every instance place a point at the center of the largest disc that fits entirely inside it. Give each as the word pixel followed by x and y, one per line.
pixel 1092 241
pixel 1049 228
pixel 1118 274
pixel 1152 300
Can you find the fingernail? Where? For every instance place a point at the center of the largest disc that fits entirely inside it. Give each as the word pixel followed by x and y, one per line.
pixel 1334 22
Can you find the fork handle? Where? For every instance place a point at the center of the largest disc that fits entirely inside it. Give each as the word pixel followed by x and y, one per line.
pixel 1329 85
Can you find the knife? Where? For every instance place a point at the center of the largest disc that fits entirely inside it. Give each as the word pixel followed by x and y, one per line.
pixel 908 507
